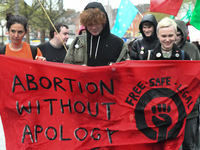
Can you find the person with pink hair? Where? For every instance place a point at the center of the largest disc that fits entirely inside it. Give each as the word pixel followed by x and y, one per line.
pixel 82 30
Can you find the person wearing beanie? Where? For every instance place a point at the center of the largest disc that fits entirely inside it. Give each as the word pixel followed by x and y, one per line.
pixel 82 30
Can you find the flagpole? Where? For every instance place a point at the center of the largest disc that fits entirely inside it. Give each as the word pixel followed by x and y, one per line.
pixel 52 25
pixel 138 12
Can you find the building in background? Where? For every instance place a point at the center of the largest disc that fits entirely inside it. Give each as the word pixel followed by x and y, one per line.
pixel 133 30
pixel 71 18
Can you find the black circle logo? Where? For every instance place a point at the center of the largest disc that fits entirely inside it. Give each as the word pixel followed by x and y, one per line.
pixel 163 110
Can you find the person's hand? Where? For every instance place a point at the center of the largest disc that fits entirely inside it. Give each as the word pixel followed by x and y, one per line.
pixel 40 58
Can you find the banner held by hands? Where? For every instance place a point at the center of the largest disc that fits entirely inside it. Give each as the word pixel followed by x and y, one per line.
pixel 45 105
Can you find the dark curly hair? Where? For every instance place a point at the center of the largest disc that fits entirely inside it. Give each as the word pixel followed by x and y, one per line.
pixel 58 27
pixel 12 19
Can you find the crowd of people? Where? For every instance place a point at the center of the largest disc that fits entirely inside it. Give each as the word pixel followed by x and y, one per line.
pixel 96 46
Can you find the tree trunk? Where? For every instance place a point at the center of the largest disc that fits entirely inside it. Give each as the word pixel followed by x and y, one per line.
pixel 43 36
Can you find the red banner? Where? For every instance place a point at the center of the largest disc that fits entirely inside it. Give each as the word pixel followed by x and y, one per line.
pixel 131 104
pixel 170 7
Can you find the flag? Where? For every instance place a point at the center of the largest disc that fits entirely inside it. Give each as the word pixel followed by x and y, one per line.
pixel 188 15
pixel 137 104
pixel 170 7
pixel 194 33
pixel 125 15
pixel 172 17
pixel 195 16
pixel 29 2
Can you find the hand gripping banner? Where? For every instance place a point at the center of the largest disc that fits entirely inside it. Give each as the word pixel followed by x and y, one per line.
pixel 128 105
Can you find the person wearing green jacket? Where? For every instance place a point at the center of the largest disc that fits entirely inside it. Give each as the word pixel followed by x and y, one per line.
pixel 96 47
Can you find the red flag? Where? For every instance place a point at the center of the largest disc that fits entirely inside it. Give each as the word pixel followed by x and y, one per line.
pixel 133 104
pixel 170 7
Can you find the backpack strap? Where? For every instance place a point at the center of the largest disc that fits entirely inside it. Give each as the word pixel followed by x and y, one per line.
pixel 34 51
pixel 182 55
pixel 3 49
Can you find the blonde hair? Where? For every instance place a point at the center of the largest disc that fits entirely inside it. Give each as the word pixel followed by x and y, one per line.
pixel 92 16
pixel 166 22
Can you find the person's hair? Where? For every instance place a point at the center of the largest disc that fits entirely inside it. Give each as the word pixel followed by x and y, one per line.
pixel 92 16
pixel 179 30
pixel 147 23
pixel 13 19
pixel 58 27
pixel 166 22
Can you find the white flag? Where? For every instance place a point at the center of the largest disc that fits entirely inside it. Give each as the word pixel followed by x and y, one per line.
pixel 29 2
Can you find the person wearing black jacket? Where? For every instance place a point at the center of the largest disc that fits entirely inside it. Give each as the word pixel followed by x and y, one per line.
pixel 192 126
pixel 149 38
pixel 54 50
pixel 166 49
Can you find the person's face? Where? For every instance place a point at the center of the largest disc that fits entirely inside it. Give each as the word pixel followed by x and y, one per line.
pixel 83 31
pixel 179 38
pixel 167 37
pixel 148 29
pixel 95 29
pixel 16 33
pixel 64 35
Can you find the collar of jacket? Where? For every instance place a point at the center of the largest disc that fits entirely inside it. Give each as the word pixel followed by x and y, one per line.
pixel 175 51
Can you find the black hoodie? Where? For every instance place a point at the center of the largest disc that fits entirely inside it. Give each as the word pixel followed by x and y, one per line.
pixel 190 48
pixel 140 46
pixel 193 52
pixel 109 46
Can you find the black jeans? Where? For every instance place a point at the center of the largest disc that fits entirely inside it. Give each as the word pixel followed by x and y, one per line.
pixel 191 138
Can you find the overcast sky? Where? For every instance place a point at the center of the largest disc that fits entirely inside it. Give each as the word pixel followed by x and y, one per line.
pixel 80 4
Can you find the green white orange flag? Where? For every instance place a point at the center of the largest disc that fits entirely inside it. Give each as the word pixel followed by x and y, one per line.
pixel 188 15
pixel 195 21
